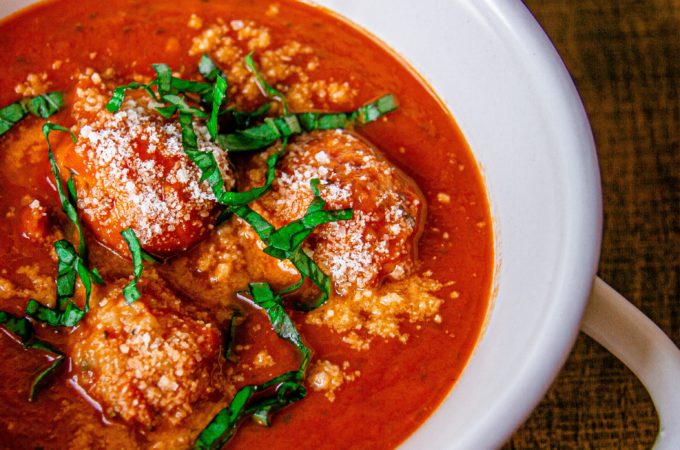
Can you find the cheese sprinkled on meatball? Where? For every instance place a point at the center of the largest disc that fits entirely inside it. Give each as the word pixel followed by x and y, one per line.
pixel 379 240
pixel 147 362
pixel 131 171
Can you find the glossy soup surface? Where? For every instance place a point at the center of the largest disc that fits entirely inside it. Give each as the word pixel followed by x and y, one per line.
pixel 399 382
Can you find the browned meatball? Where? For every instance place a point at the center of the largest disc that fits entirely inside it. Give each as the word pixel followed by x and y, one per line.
pixel 148 362
pixel 131 171
pixel 379 241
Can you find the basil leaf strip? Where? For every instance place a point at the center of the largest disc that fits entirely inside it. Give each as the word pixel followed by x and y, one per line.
pixel 42 106
pixel 130 291
pixel 260 136
pixel 287 388
pixel 68 202
pixel 208 68
pixel 22 329
pixel 66 313
pixel 211 72
pixel 244 119
pixel 264 135
pixel 116 101
pixel 230 337
pixel 266 89
pixel 210 170
pixel 10 116
pixel 287 239
pixel 219 97
pixel 287 243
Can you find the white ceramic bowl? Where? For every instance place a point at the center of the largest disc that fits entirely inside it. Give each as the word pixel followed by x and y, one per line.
pixel 512 97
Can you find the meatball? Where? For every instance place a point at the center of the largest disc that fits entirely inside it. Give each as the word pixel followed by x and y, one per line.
pixel 130 170
pixel 379 241
pixel 147 362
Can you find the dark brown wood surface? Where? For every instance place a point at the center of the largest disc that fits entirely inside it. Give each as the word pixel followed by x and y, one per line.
pixel 624 57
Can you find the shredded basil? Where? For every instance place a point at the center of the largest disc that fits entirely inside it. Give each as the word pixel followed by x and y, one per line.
pixel 285 243
pixel 118 96
pixel 42 106
pixel 177 103
pixel 211 72
pixel 244 119
pixel 287 239
pixel 10 116
pixel 268 90
pixel 258 223
pixel 260 136
pixel 130 291
pixel 273 394
pixel 22 328
pixel 69 266
pixel 219 97
pixel 68 201
pixel 230 336
pixel 209 69
pixel 264 135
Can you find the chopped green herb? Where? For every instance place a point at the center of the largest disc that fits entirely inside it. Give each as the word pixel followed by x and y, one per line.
pixel 68 201
pixel 283 326
pixel 39 378
pixel 10 116
pixel 22 328
pixel 42 106
pixel 245 197
pixel 244 119
pixel 260 136
pixel 177 103
pixel 208 68
pixel 373 111
pixel 66 313
pixel 259 224
pixel 285 243
pixel 223 426
pixel 130 291
pixel 219 97
pixel 310 270
pixel 208 164
pixel 283 389
pixel 287 239
pixel 118 96
pixel 267 90
pixel 264 135
pixel 230 336
pixel 163 78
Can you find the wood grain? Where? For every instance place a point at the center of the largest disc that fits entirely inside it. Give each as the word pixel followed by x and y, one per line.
pixel 624 56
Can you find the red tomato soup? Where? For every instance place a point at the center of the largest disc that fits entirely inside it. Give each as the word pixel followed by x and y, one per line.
pixel 274 236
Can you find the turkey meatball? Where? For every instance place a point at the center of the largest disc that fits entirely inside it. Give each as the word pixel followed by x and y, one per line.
pixel 148 362
pixel 130 170
pixel 379 240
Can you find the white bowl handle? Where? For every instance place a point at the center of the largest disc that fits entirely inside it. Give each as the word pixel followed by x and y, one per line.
pixel 632 337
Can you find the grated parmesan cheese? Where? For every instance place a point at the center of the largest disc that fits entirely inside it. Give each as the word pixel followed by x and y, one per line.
pixel 131 171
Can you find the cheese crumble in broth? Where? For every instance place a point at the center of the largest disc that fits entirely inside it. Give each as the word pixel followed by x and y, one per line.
pixel 287 66
pixel 326 377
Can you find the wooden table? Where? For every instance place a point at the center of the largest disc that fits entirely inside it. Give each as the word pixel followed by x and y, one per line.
pixel 624 56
